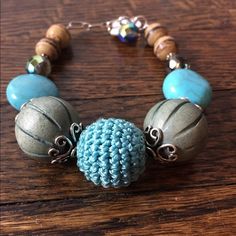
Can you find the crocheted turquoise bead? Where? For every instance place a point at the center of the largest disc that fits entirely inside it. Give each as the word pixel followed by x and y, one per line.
pixel 111 152
pixel 186 83
pixel 24 87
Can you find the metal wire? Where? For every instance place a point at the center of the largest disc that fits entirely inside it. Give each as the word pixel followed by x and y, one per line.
pixel 139 21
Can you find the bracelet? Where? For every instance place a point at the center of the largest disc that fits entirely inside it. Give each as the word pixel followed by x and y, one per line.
pixel 110 152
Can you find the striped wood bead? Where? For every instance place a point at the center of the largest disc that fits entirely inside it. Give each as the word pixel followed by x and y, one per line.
pixel 59 33
pixel 153 32
pixel 164 46
pixel 48 47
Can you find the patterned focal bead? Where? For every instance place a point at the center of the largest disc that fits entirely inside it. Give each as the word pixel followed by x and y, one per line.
pixel 111 152
pixel 38 65
pixel 59 33
pixel 186 83
pixel 176 130
pixel 40 122
pixel 164 46
pixel 128 33
pixel 22 88
pixel 153 32
pixel 48 47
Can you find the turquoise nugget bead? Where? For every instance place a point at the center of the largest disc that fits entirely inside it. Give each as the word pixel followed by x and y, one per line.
pixel 24 87
pixel 111 152
pixel 185 83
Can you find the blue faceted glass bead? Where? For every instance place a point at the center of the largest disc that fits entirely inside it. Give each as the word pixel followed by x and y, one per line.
pixel 111 152
pixel 128 33
pixel 24 87
pixel 186 83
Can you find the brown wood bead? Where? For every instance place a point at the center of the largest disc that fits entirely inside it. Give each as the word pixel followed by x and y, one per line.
pixel 48 47
pixel 153 32
pixel 164 46
pixel 59 33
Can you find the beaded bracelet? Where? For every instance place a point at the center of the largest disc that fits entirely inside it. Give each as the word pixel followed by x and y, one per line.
pixel 110 152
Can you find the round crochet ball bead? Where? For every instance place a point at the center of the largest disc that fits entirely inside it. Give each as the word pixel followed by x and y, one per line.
pixel 111 152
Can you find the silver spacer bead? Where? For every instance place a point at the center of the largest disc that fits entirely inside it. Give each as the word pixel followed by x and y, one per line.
pixel 114 26
pixel 174 61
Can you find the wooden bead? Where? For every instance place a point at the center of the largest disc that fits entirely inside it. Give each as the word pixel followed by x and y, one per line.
pixel 164 46
pixel 153 32
pixel 59 33
pixel 48 47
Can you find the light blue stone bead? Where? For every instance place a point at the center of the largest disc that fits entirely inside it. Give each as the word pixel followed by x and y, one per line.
pixel 185 83
pixel 24 87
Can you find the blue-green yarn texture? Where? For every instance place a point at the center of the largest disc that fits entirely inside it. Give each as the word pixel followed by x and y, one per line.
pixel 111 152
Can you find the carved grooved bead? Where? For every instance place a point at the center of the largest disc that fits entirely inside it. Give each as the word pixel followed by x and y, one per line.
pixel 175 130
pixel 59 33
pixel 48 47
pixel 153 32
pixel 48 128
pixel 164 46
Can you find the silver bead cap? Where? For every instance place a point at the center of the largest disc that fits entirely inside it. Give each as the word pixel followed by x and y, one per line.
pixel 165 153
pixel 65 147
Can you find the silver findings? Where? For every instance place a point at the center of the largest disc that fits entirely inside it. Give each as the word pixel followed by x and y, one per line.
pixel 85 26
pixel 140 22
pixel 174 61
pixel 165 153
pixel 111 26
pixel 63 147
pixel 114 26
pixel 153 136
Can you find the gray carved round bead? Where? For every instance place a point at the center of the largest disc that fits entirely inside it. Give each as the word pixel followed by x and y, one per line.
pixel 40 122
pixel 175 130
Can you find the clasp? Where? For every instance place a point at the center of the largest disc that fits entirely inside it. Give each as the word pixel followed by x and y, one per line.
pixel 111 26
pixel 85 26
